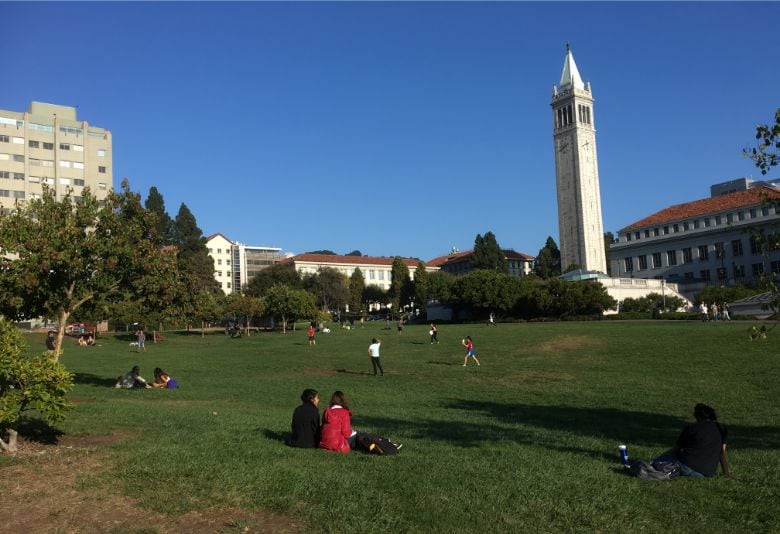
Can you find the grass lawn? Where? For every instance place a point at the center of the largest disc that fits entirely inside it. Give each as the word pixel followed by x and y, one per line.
pixel 526 442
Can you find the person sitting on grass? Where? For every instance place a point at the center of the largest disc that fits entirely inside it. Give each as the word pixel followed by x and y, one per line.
pixel 701 446
pixel 90 340
pixel 162 379
pixel 133 379
pixel 306 422
pixel 337 434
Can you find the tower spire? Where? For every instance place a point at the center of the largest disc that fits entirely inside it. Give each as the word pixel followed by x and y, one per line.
pixel 570 77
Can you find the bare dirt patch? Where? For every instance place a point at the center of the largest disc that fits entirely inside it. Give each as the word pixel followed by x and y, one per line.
pixel 569 343
pixel 68 488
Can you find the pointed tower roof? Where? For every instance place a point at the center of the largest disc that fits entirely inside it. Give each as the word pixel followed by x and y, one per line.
pixel 570 75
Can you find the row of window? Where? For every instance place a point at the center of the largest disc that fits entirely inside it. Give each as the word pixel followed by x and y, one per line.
pixel 50 181
pixel 719 249
pixel 8 193
pixel 35 162
pixel 564 115
pixel 706 222
pixel 47 146
pixel 738 271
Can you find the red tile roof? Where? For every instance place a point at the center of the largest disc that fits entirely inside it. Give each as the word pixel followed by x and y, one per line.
pixel 212 236
pixel 708 206
pixel 463 256
pixel 369 260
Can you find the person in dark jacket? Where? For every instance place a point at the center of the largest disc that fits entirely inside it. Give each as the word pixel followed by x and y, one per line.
pixel 306 422
pixel 701 445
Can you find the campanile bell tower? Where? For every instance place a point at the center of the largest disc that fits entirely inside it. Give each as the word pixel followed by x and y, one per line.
pixel 581 230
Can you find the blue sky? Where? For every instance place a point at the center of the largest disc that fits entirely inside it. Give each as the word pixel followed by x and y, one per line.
pixel 399 128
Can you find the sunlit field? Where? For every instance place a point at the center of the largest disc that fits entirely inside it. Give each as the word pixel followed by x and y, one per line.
pixel 527 442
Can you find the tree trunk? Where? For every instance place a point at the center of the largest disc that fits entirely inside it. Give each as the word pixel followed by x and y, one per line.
pixel 203 329
pixel 284 324
pixel 10 446
pixel 60 334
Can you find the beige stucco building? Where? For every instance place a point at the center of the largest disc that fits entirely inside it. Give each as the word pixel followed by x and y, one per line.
pixel 48 145
pixel 235 263
pixel 581 230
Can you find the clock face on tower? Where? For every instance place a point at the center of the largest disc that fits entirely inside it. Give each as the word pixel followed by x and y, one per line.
pixel 563 146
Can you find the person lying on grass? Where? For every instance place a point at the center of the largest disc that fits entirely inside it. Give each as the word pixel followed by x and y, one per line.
pixel 336 431
pixel 162 379
pixel 701 446
pixel 133 379
pixel 306 422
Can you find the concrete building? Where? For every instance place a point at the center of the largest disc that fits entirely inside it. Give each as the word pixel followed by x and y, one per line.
pixel 459 263
pixel 235 264
pixel 48 145
pixel 581 230
pixel 376 271
pixel 707 241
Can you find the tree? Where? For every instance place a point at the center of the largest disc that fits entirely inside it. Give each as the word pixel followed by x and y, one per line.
pixel 193 254
pixel 400 292
pixel 609 238
pixel 767 151
pixel 354 253
pixel 323 252
pixel 488 255
pixel 330 288
pixel 548 261
pixel 28 384
pixel 559 298
pixel 484 291
pixel 421 286
pixel 357 285
pixel 374 294
pixel 440 286
pixel 66 255
pixel 280 273
pixel 164 225
pixel 286 303
pixel 244 308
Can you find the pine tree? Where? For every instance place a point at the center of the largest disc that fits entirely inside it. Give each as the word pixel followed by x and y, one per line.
pixel 548 261
pixel 164 225
pixel 400 284
pixel 357 284
pixel 192 252
pixel 488 254
pixel 421 286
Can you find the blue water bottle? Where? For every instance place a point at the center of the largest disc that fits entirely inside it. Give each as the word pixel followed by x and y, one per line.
pixel 623 454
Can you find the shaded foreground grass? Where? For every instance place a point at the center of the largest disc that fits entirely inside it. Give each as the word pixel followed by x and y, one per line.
pixel 526 442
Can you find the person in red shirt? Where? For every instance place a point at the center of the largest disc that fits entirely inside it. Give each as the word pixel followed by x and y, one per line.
pixel 312 341
pixel 336 431
pixel 470 352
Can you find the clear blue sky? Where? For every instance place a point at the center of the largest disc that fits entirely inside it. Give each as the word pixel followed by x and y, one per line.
pixel 399 128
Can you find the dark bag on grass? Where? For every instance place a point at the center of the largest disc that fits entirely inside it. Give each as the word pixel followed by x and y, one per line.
pixel 373 443
pixel 659 470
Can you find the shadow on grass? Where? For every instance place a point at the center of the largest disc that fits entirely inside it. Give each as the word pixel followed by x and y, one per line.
pixel 349 372
pixel 38 431
pixel 434 362
pixel 94 380
pixel 275 435
pixel 617 426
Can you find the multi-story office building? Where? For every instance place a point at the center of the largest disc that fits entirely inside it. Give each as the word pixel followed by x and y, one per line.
pixel 459 263
pixel 235 264
pixel 48 146
pixel 708 241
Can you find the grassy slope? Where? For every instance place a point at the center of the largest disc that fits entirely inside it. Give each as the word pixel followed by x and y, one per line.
pixel 525 442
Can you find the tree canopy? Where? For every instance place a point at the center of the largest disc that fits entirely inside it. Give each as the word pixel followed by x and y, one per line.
pixel 330 288
pixel 488 254
pixel 192 251
pixel 280 273
pixel 357 285
pixel 285 303
pixel 548 261
pixel 164 224
pixel 400 292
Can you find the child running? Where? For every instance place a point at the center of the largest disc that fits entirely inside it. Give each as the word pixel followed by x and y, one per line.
pixel 470 352
pixel 312 341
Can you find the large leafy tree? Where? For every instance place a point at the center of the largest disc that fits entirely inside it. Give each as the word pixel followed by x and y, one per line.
pixel 330 288
pixel 357 285
pixel 484 291
pixel 488 254
pixel 244 307
pixel 281 273
pixel 400 292
pixel 164 225
pixel 421 286
pixel 440 285
pixel 548 261
pixel 559 298
pixel 67 255
pixel 374 294
pixel 286 304
pixel 192 251
pixel 28 384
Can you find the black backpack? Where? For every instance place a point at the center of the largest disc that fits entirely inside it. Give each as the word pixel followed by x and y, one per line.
pixel 658 470
pixel 376 444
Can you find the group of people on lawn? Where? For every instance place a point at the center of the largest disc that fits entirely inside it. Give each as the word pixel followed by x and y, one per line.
pixel 133 379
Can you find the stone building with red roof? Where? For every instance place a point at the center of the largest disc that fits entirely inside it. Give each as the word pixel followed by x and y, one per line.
pixel 707 241
pixel 459 263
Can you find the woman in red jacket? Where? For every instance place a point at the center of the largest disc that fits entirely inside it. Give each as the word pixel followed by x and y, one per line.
pixel 336 431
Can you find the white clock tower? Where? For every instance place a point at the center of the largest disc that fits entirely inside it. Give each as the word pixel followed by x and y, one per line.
pixel 577 172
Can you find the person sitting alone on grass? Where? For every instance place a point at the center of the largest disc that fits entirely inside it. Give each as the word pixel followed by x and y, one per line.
pixel 133 379
pixel 90 340
pixel 701 446
pixel 306 422
pixel 336 432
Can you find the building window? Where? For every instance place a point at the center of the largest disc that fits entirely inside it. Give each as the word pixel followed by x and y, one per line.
pixel 18 194
pixel 686 226
pixel 688 276
pixel 219 261
pixel 102 169
pixel 642 262
pixel 720 250
pixel 629 264
pixel 381 275
pixel 739 271
pixel 703 253
pixel 102 186
pixel 706 222
pixel 696 224
pixel 741 215
pixel 18 158
pixel 64 146
pixel 687 256
pixel 717 220
pixel 5 174
pixel 48 146
pixel 765 211
pixel 676 228
pixel 647 232
pixel 65 163
pixel 753 213
pixel 775 266
pixel 758 269
pixel 705 275
pixel 755 245
pixel 656 260
pixel 721 274
pixel 77 148
pixel 371 274
pixel 101 153
pixel 637 235
pixel 5 139
pixel 655 232
pixel 69 130
pixel 5 193
pixel 64 181
pixel 78 181
pixel 729 218
pixel 736 247
pixel 628 236
pixel 671 257
pixel 666 230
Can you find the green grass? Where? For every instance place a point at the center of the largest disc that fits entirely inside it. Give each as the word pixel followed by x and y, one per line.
pixel 526 442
